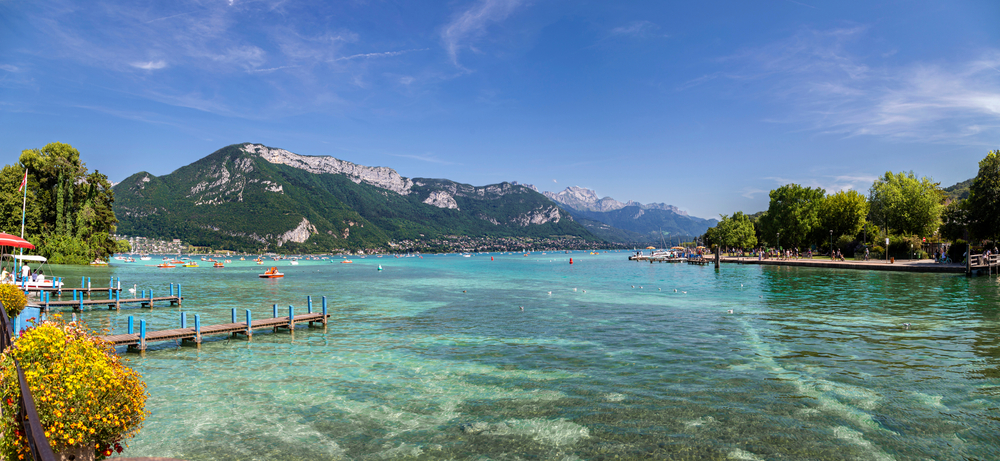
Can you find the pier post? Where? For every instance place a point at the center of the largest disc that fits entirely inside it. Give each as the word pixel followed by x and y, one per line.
pixel 309 304
pixel 142 335
pixel 81 304
pixel 118 299
pixel 88 283
pixel 274 310
pixel 184 320
pixel 291 318
pixel 197 329
pixel 324 311
pixel 234 315
pixel 111 283
pixel 74 295
pixel 249 326
pixel 119 283
pixel 59 291
pixel 718 256
pixel 178 294
pixel 150 298
pixel 171 290
pixel 131 325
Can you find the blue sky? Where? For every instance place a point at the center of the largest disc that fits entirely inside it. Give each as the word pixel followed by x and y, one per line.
pixel 703 105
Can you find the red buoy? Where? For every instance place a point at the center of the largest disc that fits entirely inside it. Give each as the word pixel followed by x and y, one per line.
pixel 571 260
pixel 491 258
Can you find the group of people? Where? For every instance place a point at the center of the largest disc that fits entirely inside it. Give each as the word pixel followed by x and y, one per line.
pixel 26 274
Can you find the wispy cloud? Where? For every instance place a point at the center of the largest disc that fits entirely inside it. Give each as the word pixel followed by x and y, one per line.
pixel 470 25
pixel 834 84
pixel 430 158
pixel 9 68
pixel 637 29
pixel 385 54
pixel 149 65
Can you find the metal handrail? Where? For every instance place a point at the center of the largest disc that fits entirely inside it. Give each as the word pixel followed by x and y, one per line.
pixel 28 415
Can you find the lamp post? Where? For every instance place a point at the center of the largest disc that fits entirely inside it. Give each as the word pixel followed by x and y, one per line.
pixel 778 238
pixel 831 244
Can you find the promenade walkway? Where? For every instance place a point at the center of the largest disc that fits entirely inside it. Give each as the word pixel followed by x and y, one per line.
pixel 915 265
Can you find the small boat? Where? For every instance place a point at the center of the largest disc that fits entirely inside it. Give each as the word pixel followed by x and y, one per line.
pixel 293 262
pixel 98 262
pixel 165 265
pixel 191 264
pixel 271 273
pixel 218 264
pixel 346 261
pixel 145 258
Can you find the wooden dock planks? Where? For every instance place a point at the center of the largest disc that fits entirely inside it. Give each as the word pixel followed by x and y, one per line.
pixel 136 341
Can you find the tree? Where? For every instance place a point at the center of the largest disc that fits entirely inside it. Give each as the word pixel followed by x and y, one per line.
pixel 69 212
pixel 733 232
pixel 905 204
pixel 984 198
pixel 793 212
pixel 844 213
pixel 955 220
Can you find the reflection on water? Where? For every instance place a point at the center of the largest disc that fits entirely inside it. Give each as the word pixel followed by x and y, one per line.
pixel 433 358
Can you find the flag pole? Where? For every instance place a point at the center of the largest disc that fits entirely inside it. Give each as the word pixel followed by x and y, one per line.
pixel 24 203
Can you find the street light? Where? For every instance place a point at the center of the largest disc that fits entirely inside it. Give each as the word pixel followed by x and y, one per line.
pixel 831 244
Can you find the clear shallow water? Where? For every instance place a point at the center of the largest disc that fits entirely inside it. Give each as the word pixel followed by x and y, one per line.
pixel 812 364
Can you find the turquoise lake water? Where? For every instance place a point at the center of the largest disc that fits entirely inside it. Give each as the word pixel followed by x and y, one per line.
pixel 433 359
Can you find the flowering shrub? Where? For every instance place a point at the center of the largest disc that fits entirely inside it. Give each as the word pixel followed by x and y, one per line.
pixel 13 299
pixel 85 394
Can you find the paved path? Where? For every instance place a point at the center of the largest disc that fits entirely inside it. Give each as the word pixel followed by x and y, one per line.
pixel 918 265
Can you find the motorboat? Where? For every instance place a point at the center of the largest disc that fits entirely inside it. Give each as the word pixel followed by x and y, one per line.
pixel 271 273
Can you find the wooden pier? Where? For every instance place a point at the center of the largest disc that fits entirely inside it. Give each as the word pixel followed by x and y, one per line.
pixel 978 263
pixel 138 340
pixel 114 300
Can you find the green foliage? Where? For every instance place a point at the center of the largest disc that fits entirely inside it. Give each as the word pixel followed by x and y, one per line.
pixel 901 247
pixel 794 213
pixel 733 232
pixel 905 204
pixel 844 213
pixel 959 191
pixel 955 220
pixel 66 205
pixel 122 246
pixel 984 198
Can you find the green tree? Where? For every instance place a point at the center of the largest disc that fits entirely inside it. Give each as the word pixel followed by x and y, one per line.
pixel 905 204
pixel 844 213
pixel 984 198
pixel 955 220
pixel 69 210
pixel 794 213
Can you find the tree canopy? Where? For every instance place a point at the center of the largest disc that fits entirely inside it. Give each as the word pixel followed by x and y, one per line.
pixel 905 204
pixel 984 198
pixel 734 232
pixel 794 213
pixel 844 213
pixel 68 209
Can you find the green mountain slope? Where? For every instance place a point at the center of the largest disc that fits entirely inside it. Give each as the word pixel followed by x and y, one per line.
pixel 251 197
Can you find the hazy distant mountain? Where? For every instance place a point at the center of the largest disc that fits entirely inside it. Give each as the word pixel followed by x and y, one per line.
pixel 249 196
pixel 640 223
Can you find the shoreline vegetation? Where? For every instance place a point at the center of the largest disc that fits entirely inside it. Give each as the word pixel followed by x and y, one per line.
pixel 902 217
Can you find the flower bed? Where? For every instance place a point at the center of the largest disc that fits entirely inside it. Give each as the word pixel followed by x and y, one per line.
pixel 87 397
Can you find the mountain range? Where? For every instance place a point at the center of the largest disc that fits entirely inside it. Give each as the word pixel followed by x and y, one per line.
pixel 252 197
pixel 630 221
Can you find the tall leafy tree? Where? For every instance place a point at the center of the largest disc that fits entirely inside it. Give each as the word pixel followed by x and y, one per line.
pixel 844 213
pixel 984 198
pixel 69 210
pixel 905 204
pixel 955 220
pixel 794 213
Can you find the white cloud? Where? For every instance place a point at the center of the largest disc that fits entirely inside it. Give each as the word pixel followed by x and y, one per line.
pixel 149 65
pixel 471 24
pixel 9 68
pixel 636 29
pixel 833 89
pixel 378 55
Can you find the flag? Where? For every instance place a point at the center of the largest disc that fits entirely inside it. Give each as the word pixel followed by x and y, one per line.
pixel 24 182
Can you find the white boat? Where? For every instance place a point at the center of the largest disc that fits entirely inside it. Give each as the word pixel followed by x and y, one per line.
pixel 16 277
pixel 145 258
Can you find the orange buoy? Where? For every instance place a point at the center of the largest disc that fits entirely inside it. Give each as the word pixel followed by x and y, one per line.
pixel 491 258
pixel 571 260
